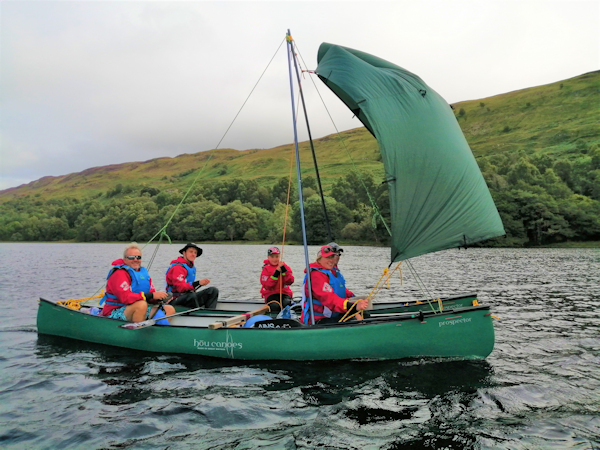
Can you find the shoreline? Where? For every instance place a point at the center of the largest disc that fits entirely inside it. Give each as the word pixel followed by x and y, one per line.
pixel 564 245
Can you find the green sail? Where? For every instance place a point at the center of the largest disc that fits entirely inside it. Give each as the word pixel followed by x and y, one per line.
pixel 438 196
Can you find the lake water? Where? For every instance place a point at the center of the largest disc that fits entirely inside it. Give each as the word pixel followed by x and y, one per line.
pixel 539 389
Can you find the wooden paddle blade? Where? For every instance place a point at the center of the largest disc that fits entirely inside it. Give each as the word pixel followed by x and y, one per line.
pixel 237 319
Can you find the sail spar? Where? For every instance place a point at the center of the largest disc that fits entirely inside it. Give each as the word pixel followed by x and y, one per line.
pixel 438 196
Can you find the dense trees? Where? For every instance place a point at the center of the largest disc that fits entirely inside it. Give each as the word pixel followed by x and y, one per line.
pixel 541 199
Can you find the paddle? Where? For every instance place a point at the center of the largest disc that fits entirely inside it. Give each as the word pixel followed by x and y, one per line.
pixel 150 322
pixel 237 319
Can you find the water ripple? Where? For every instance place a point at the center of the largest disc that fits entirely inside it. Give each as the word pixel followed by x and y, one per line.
pixel 539 389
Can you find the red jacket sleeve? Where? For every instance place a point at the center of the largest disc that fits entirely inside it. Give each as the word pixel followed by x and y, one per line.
pixel 266 280
pixel 119 285
pixel 176 278
pixel 288 277
pixel 323 292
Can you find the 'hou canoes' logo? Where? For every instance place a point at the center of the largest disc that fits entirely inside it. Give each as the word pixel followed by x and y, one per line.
pixel 219 346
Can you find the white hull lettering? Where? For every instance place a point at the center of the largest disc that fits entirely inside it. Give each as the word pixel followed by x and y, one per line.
pixel 455 321
pixel 217 345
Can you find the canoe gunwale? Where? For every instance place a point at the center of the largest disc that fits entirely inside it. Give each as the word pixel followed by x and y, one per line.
pixel 380 319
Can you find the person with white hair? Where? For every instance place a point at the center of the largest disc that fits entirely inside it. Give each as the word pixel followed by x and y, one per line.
pixel 129 289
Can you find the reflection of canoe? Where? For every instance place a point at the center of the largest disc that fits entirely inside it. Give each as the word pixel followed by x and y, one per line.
pixel 462 333
pixel 459 301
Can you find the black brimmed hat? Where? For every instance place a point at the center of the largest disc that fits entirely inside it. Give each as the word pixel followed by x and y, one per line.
pixel 191 245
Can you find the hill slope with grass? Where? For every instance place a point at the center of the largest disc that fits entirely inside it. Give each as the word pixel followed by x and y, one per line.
pixel 538 149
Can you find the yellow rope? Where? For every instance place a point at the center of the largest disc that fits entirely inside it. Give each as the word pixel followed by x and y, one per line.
pixel 76 303
pixel 387 274
pixel 345 319
pixel 375 290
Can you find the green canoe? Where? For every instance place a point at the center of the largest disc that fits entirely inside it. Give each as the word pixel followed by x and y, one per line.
pixel 459 333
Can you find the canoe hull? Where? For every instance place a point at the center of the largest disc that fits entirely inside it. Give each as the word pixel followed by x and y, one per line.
pixel 466 333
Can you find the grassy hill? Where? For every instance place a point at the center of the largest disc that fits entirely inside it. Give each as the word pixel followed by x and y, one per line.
pixel 558 119
pixel 265 166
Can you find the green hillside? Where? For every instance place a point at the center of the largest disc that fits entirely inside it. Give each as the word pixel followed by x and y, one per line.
pixel 222 164
pixel 559 119
pixel 538 149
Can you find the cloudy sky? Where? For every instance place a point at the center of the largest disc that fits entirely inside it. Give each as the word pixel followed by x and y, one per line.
pixel 91 83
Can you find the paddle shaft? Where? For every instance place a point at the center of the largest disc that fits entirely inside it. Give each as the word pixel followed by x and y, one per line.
pixel 150 322
pixel 237 319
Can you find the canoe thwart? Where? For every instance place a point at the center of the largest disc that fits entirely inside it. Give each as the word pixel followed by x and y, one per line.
pixel 239 318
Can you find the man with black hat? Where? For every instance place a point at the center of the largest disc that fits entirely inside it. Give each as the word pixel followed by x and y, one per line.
pixel 181 281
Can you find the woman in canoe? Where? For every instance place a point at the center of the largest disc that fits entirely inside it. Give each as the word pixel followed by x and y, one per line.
pixel 275 280
pixel 129 289
pixel 330 298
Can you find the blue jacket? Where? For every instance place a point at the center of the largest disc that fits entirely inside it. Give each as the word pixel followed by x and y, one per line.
pixel 140 282
pixel 337 283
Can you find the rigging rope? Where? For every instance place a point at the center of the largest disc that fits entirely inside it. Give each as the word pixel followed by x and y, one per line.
pixel 76 303
pixel 376 212
pixel 287 205
pixel 162 232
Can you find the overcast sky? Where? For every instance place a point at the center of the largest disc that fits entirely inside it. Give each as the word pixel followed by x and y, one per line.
pixel 91 83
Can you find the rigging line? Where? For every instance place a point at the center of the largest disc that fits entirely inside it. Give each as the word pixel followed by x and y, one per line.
pixel 424 291
pixel 312 146
pixel 288 37
pixel 287 205
pixel 376 213
pixel 249 95
pixel 162 231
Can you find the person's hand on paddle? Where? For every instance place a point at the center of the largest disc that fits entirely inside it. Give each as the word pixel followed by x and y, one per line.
pixel 282 268
pixel 167 299
pixel 159 295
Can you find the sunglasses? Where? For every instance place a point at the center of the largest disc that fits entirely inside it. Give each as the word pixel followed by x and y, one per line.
pixel 131 258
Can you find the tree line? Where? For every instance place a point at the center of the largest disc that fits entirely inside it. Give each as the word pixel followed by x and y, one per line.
pixel 541 200
pixel 219 211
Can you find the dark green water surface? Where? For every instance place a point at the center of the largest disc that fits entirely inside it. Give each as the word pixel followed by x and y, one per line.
pixel 539 389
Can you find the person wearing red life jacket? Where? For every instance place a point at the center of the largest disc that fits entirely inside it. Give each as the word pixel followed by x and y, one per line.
pixel 181 281
pixel 275 279
pixel 330 297
pixel 129 289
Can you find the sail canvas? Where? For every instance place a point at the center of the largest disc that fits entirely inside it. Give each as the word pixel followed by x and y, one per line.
pixel 438 196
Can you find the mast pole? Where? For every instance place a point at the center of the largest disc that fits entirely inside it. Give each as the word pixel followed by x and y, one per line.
pixel 300 196
pixel 312 147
